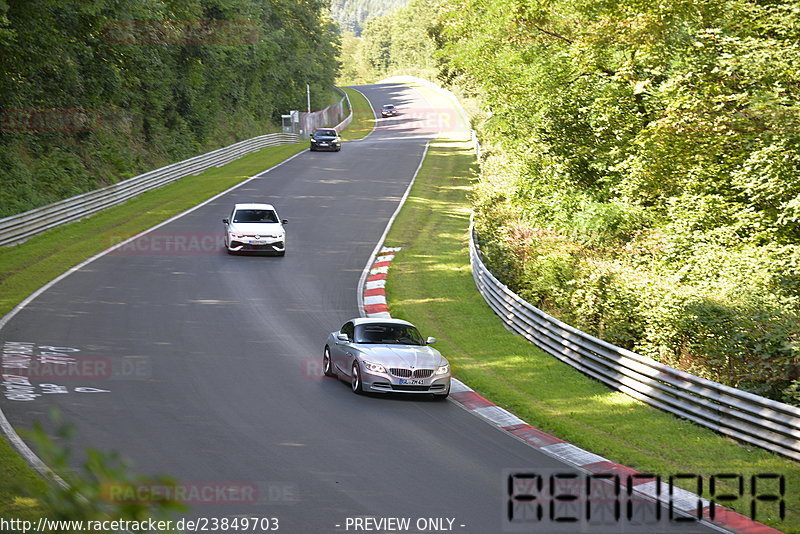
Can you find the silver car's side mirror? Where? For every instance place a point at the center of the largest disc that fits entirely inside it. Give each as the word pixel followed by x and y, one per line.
pixel 226 221
pixel 430 340
pixel 285 221
pixel 342 337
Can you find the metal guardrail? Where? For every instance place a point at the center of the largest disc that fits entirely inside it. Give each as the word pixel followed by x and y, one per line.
pixel 18 228
pixel 747 417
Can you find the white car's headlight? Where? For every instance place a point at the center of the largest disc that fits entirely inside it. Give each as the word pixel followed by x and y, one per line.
pixel 374 367
pixel 443 370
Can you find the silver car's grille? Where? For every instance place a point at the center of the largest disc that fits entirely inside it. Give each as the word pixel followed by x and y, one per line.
pixel 408 373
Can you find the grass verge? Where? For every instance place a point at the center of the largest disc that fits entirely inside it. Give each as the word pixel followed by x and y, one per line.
pixel 430 283
pixel 363 117
pixel 26 267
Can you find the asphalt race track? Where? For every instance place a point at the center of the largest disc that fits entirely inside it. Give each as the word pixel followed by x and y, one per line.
pixel 216 364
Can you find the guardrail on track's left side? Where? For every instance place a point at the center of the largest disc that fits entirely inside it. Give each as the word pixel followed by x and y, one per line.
pixel 347 120
pixel 17 228
pixel 336 116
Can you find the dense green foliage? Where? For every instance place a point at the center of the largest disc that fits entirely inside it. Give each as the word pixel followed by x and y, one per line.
pixel 351 14
pixel 641 170
pixel 94 91
pixel 394 44
pixel 432 287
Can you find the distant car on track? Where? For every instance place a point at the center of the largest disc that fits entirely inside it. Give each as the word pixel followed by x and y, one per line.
pixel 388 110
pixel 386 356
pixel 325 139
pixel 255 228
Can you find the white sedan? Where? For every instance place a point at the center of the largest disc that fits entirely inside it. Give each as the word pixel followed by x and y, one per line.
pixel 255 228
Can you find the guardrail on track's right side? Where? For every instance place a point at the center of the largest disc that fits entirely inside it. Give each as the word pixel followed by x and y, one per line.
pixel 18 228
pixel 750 418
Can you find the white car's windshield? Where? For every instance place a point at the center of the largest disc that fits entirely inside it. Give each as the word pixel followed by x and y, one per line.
pixel 391 334
pixel 255 216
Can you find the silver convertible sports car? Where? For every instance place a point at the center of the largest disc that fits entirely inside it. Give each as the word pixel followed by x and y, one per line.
pixel 386 356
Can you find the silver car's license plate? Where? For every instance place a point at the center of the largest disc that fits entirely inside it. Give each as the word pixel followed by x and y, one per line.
pixel 411 382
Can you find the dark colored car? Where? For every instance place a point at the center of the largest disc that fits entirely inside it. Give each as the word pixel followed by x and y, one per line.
pixel 388 110
pixel 326 139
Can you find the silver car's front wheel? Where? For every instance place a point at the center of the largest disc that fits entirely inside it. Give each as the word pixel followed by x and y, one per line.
pixel 327 365
pixel 355 379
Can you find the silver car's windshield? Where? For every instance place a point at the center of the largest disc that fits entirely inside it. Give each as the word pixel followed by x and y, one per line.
pixel 391 334
pixel 255 216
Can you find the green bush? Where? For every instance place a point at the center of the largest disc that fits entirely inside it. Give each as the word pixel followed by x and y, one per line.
pixel 640 172
pixel 88 492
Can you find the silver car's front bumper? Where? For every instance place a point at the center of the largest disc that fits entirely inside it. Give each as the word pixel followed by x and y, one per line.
pixel 387 383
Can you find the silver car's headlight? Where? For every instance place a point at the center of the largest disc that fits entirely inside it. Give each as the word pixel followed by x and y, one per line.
pixel 374 367
pixel 443 370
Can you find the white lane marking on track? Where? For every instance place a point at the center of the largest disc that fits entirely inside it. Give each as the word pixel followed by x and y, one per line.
pixel 681 499
pixel 457 386
pixel 375 284
pixel 379 247
pixel 497 415
pixel 573 454
pixel 22 447
pixel 374 299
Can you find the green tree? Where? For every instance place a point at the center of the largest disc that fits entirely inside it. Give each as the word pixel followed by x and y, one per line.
pixel 94 91
pixel 658 143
